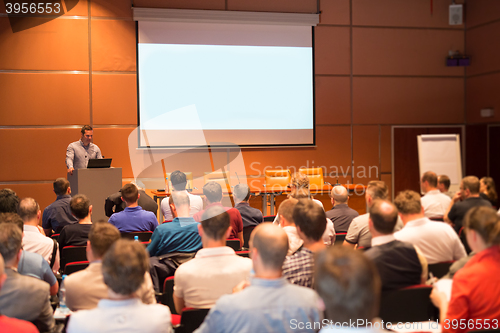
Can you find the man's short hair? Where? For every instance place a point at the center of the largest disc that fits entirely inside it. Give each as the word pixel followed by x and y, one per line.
pixel 310 218
pixel 383 221
pixel 79 206
pixel 241 192
pixel 377 189
pixel 348 283
pixel 11 239
pixel 431 178
pixel 86 128
pixel 212 191
pixel 101 236
pixel 124 266
pixel 215 222
pixel 445 180
pixel 408 202
pixel 130 193
pixel 61 186
pixel 339 194
pixel 12 218
pixel 8 201
pixel 286 209
pixel 472 184
pixel 299 180
pixel 179 199
pixel 178 180
pixel 271 243
pixel 28 209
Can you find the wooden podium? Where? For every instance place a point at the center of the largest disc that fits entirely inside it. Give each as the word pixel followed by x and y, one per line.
pixel 97 184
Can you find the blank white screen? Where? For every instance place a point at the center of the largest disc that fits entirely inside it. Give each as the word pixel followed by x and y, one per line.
pixel 245 84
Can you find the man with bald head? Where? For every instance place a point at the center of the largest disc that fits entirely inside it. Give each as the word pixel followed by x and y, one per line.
pixel 34 240
pixel 341 215
pixel 269 303
pixel 399 263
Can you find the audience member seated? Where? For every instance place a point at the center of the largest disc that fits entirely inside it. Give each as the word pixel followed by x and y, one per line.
pixel 269 302
pixel 133 218
pixel 12 324
pixel 302 193
pixel 124 267
pixel 8 201
pixel 84 289
pixel 285 213
pixel 349 285
pixel 310 221
pixel 474 294
pixel 22 297
pixel 179 182
pixel 180 235
pixel 115 204
pixel 488 190
pixel 215 270
pixel 465 199
pixel 30 263
pixel 359 232
pixel 436 240
pixel 341 215
pixel 213 197
pixel 300 181
pixel 249 215
pixel 77 234
pixel 34 240
pixel 399 263
pixel 57 215
pixel 444 185
pixel 434 202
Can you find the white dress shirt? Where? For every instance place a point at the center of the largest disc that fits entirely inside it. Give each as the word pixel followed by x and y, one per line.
pixel 195 206
pixel 435 203
pixel 34 241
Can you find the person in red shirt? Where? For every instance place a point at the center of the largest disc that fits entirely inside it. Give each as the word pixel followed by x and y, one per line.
pixel 474 303
pixel 12 324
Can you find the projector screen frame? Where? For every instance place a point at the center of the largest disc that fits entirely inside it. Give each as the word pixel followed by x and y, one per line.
pixel 229 145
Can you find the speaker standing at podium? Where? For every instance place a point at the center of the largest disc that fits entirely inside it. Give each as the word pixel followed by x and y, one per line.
pixel 79 152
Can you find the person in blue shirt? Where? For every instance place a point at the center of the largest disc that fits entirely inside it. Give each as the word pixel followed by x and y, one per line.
pixel 180 235
pixel 133 218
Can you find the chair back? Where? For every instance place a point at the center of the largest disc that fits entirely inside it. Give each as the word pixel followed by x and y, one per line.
pixel 411 304
pixel 277 180
pixel 191 319
pixel 233 243
pixel 440 269
pixel 247 231
pixel 244 254
pixel 219 177
pixel 76 266
pixel 189 179
pixel 339 238
pixel 269 218
pixel 73 254
pixel 55 236
pixel 315 175
pixel 144 236
pixel 168 292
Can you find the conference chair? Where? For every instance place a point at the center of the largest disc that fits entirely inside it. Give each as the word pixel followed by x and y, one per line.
pixel 277 180
pixel 76 266
pixel 339 238
pixel 440 269
pixel 55 237
pixel 144 236
pixel 72 254
pixel 191 319
pixel 220 177
pixel 189 179
pixel 315 175
pixel 247 231
pixel 244 254
pixel 410 304
pixel 269 218
pixel 233 243
pixel 168 293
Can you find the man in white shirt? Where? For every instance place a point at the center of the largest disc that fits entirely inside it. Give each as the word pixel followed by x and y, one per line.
pixel 437 241
pixel 179 182
pixel 215 270
pixel 285 213
pixel 434 202
pixel 34 239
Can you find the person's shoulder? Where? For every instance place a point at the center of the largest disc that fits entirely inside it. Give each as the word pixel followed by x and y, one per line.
pixel 16 325
pixel 361 219
pixel 304 293
pixel 30 284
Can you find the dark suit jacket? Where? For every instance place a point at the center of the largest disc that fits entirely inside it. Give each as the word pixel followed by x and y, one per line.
pixel 250 216
pixel 115 200
pixel 27 298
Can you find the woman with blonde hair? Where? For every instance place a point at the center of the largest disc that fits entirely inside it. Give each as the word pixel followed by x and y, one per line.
pixel 474 302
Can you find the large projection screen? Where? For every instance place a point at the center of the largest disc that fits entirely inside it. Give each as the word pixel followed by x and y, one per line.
pixel 204 84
